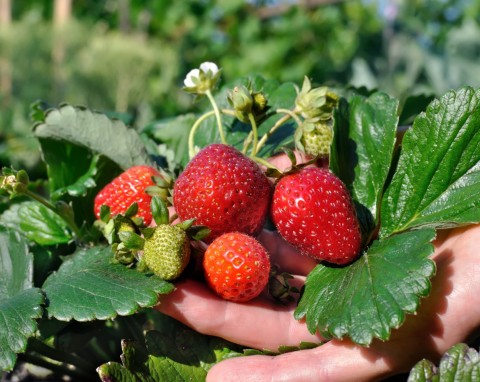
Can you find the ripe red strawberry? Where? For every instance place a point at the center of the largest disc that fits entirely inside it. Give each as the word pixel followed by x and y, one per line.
pixel 223 190
pixel 237 266
pixel 313 210
pixel 127 188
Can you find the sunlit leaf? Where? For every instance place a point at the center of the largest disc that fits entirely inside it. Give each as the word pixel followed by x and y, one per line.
pixel 437 181
pixel 20 303
pixel 90 285
pixel 371 296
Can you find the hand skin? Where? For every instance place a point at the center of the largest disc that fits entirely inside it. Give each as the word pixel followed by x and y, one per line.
pixel 450 314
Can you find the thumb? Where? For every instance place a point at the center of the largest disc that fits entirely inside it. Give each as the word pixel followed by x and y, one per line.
pixel 334 361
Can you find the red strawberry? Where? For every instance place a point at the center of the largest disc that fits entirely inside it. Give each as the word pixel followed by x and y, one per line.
pixel 125 189
pixel 313 210
pixel 224 190
pixel 237 266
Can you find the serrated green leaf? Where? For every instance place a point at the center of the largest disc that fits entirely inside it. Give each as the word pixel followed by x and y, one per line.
pixel 95 132
pixel 371 296
pixel 437 181
pixel 362 149
pixel 89 286
pixel 459 363
pixel 173 352
pixel 20 304
pixel 18 316
pixel 16 264
pixel 42 225
pixel 424 371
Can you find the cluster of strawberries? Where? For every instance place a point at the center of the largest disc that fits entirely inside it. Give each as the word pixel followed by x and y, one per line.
pixel 230 194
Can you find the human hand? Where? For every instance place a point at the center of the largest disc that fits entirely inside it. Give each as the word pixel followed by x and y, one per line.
pixel 449 315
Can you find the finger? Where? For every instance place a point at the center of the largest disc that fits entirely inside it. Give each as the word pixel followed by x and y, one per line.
pixel 283 162
pixel 195 305
pixel 334 362
pixel 285 255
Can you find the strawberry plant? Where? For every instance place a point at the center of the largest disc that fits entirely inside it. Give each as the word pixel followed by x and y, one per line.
pixel 80 277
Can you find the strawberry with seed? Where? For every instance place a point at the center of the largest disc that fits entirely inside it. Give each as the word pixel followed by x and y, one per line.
pixel 313 210
pixel 237 267
pixel 165 249
pixel 223 190
pixel 126 189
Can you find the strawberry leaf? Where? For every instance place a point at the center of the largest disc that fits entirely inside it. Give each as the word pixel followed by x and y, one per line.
pixel 371 296
pixel 172 352
pixel 459 363
pixel 362 149
pixel 39 224
pixel 20 304
pixel 89 285
pixel 96 132
pixel 437 181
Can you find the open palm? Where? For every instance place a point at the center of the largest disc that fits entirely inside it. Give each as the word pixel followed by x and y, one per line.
pixel 451 314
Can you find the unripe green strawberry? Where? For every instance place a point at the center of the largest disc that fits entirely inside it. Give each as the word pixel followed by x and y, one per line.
pixel 317 138
pixel 167 251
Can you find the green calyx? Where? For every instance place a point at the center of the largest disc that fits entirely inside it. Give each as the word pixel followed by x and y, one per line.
pixel 315 103
pixel 166 252
pixel 166 247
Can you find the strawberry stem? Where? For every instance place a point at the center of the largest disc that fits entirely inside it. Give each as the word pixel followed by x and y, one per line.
pixel 253 123
pixel 218 116
pixel 196 125
pixel 288 114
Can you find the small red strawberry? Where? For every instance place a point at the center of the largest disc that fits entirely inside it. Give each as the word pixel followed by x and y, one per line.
pixel 313 210
pixel 237 267
pixel 223 190
pixel 127 188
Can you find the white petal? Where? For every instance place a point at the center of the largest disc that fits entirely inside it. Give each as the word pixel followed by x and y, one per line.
pixel 188 81
pixel 206 66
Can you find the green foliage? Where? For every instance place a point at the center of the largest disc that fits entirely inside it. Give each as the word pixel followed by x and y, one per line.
pixel 362 150
pixel 459 363
pixel 90 286
pixel 171 352
pixel 437 179
pixel 432 186
pixel 133 66
pixel 20 303
pixel 368 298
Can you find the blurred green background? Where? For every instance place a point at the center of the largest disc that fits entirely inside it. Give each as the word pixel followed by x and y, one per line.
pixel 130 56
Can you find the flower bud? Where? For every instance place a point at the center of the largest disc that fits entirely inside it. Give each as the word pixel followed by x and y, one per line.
pixel 241 101
pixel 244 100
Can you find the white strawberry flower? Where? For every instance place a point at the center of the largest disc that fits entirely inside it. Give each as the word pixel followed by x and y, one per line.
pixel 209 66
pixel 202 80
pixel 192 75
